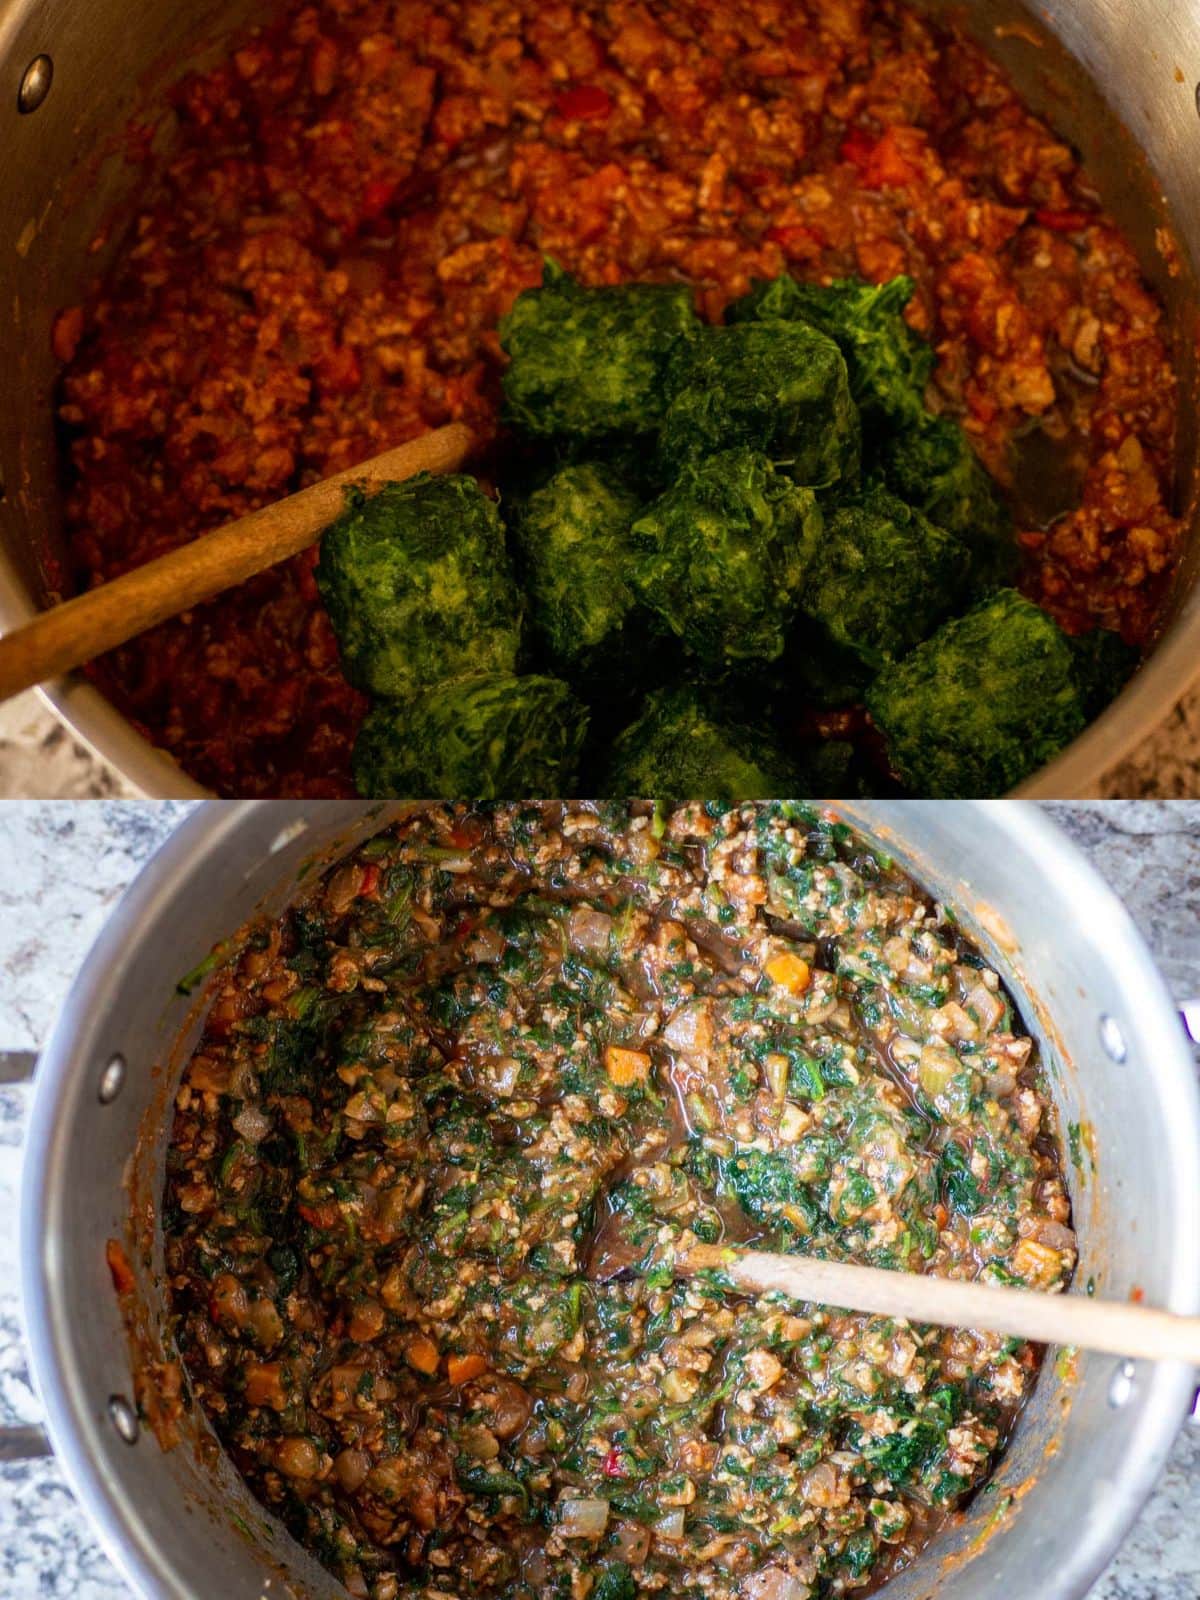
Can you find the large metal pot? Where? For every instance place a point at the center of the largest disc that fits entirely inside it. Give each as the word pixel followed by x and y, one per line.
pixel 1118 77
pixel 1089 1444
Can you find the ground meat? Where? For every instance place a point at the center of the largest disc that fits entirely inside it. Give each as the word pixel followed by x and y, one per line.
pixel 359 192
pixel 421 1228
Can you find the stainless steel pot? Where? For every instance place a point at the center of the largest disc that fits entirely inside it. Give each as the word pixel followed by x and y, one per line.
pixel 1118 77
pixel 1094 1435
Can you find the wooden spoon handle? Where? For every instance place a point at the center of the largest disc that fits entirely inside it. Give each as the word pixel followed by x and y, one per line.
pixel 81 629
pixel 1106 1325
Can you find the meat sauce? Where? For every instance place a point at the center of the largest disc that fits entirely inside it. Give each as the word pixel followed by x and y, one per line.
pixel 358 193
pixel 452 1118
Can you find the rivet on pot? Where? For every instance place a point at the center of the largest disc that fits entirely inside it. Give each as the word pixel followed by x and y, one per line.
pixel 1120 1390
pixel 35 85
pixel 112 1080
pixel 1112 1039
pixel 123 1418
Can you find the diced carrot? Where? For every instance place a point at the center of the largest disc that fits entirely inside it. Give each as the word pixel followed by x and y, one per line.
pixel 366 1321
pixel 625 1067
pixel 264 1385
pixel 118 1265
pixel 1037 1263
pixel 422 1355
pixel 461 1369
pixel 790 972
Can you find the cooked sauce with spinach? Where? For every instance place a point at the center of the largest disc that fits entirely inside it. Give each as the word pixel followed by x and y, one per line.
pixel 452 1114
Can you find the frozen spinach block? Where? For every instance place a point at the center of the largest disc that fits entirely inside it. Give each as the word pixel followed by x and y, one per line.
pixel 723 555
pixel 592 362
pixel 493 736
pixel 778 387
pixel 680 746
pixel 883 577
pixel 1104 663
pixel 989 698
pixel 889 364
pixel 418 586
pixel 930 464
pixel 826 770
pixel 574 540
pixel 821 672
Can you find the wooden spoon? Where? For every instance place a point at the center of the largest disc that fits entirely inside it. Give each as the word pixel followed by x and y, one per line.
pixel 80 629
pixel 1075 1319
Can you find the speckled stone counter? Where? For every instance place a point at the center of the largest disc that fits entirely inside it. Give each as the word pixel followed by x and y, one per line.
pixel 38 757
pixel 63 866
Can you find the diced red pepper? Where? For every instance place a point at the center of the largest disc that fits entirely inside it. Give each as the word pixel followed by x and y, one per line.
pixel 66 333
pixel 370 878
pixel 612 1464
pixel 377 196
pixel 857 147
pixel 322 1216
pixel 794 237
pixel 118 1265
pixel 584 103
pixel 1064 221
pixel 883 162
pixel 338 372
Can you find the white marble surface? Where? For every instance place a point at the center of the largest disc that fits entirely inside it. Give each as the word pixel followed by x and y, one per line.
pixel 39 758
pixel 63 866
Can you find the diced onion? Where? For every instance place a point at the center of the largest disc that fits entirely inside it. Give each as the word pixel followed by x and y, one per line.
pixel 670 1527
pixel 1054 1235
pixel 503 1075
pixel 777 1067
pixel 588 929
pixel 689 1029
pixel 583 1519
pixel 252 1124
pixel 776 1583
pixel 988 1007
pixel 633 1543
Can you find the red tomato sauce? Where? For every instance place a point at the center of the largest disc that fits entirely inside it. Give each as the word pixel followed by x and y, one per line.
pixel 360 190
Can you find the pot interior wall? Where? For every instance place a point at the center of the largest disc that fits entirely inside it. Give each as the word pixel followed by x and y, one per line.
pixel 1078 1469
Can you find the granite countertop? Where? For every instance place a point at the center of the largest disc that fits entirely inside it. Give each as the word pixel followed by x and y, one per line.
pixel 65 866
pixel 39 757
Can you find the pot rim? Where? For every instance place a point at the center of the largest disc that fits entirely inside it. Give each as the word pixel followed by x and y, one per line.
pixel 72 1415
